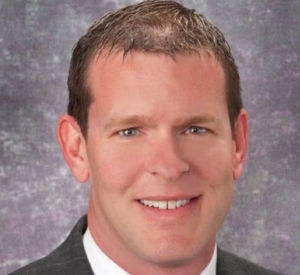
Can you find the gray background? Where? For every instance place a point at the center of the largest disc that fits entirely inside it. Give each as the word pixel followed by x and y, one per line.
pixel 40 201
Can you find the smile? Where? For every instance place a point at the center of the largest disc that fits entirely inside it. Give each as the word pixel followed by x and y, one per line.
pixel 165 204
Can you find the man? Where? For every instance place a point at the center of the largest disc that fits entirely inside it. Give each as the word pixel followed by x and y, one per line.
pixel 155 122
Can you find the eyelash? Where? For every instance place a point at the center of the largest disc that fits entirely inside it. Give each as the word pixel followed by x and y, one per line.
pixel 128 129
pixel 122 132
pixel 203 130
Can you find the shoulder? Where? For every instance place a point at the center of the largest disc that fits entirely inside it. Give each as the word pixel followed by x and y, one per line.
pixel 68 258
pixel 228 263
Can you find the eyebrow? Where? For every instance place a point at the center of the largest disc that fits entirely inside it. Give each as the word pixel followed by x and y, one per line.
pixel 203 119
pixel 145 120
pixel 129 121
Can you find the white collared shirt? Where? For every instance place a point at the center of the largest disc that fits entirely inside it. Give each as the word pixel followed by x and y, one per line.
pixel 101 264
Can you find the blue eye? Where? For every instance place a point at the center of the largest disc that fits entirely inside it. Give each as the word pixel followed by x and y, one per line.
pixel 196 130
pixel 128 132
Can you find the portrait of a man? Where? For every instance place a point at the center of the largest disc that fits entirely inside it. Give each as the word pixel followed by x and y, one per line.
pixel 156 123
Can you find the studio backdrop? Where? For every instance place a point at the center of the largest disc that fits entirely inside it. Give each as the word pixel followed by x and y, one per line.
pixel 39 199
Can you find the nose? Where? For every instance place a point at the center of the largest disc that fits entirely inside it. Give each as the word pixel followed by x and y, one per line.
pixel 166 161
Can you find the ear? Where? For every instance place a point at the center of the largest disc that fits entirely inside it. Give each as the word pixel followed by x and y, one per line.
pixel 73 147
pixel 240 139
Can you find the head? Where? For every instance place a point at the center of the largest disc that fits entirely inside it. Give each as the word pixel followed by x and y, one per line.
pixel 156 123
pixel 150 27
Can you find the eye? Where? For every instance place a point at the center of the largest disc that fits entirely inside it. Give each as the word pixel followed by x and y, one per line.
pixel 196 130
pixel 131 132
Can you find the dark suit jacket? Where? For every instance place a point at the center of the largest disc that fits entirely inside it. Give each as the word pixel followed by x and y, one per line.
pixel 70 259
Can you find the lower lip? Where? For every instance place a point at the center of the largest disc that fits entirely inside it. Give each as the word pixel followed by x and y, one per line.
pixel 154 213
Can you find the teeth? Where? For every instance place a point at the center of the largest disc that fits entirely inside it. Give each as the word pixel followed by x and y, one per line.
pixel 171 204
pixel 165 204
pixel 162 205
pixel 178 203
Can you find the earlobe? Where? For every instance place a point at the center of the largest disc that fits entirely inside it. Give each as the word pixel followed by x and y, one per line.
pixel 240 139
pixel 73 147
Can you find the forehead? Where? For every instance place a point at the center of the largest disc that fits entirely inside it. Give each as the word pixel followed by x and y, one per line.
pixel 155 76
pixel 104 68
pixel 156 88
pixel 156 85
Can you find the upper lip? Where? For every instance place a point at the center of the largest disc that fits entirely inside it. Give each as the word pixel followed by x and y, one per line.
pixel 168 198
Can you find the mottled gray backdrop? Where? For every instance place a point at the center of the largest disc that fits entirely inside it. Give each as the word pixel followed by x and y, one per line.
pixel 39 199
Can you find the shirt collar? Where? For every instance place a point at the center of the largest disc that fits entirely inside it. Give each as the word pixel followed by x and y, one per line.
pixel 101 264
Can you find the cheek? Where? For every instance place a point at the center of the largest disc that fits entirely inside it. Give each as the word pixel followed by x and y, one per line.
pixel 214 167
pixel 213 160
pixel 114 168
pixel 219 178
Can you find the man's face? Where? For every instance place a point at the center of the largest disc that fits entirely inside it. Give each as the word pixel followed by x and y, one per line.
pixel 159 137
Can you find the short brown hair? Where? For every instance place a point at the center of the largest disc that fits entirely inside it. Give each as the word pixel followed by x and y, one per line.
pixel 153 26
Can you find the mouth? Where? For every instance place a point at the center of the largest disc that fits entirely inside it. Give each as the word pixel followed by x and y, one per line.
pixel 166 205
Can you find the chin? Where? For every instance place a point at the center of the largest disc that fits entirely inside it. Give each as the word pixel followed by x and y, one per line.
pixel 174 252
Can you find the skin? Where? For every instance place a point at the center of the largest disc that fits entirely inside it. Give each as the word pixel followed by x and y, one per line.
pixel 158 130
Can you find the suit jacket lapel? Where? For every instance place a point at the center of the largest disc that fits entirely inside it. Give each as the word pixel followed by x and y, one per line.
pixel 70 258
pixel 227 264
